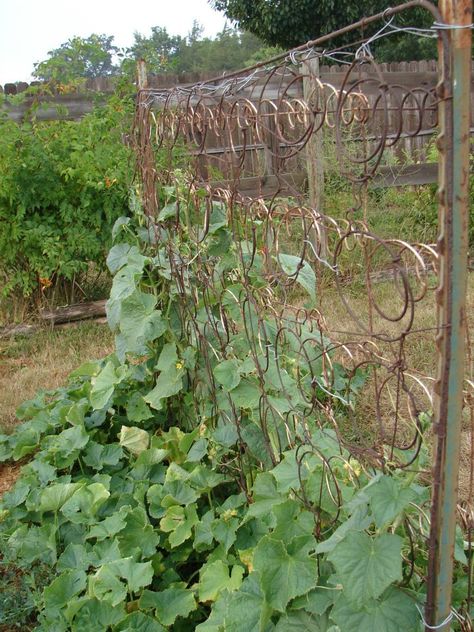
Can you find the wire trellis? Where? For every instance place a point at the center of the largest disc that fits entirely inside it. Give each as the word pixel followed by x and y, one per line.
pixel 336 313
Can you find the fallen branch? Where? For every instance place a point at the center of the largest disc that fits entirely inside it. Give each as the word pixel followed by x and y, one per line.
pixel 81 311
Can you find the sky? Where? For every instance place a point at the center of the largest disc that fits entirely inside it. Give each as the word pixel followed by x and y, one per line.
pixel 29 28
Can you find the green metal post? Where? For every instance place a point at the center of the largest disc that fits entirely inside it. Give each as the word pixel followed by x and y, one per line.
pixel 453 247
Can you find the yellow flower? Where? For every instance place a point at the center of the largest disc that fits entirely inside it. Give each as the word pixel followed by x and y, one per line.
pixel 179 365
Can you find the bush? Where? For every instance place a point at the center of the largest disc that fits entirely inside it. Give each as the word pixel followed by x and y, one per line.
pixel 62 185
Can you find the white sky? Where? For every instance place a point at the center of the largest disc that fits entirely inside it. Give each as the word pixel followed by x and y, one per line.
pixel 29 28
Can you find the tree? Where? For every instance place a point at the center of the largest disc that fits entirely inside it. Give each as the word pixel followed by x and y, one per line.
pixel 79 57
pixel 228 50
pixel 160 50
pixel 290 24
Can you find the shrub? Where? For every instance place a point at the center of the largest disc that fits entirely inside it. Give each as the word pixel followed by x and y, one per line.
pixel 62 185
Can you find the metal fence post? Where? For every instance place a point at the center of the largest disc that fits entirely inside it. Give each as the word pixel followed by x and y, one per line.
pixel 453 247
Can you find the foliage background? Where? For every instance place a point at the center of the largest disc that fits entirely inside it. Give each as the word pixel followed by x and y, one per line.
pixel 62 185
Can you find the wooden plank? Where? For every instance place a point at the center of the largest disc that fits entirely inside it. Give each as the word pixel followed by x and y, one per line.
pixel 266 186
pixel 314 153
pixel 406 175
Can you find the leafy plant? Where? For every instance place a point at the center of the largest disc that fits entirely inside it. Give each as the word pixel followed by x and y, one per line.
pixel 62 186
pixel 156 508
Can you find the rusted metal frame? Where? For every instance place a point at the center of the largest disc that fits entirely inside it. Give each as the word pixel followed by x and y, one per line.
pixel 453 248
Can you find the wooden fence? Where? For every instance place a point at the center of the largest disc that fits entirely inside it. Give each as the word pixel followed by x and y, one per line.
pixel 408 78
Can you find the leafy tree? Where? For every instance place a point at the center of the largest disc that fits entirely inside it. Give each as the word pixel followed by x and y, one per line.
pixel 289 25
pixel 228 50
pixel 79 57
pixel 160 50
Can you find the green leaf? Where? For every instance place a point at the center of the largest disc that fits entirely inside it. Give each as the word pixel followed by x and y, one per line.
pixel 292 521
pixel 138 534
pixel 302 621
pixel 247 609
pixel 265 495
pixel 134 439
pixel 227 374
pixel 105 585
pixel 358 521
pixel 94 615
pixel 75 557
pixel 169 604
pixel 85 502
pixel 119 225
pixel 110 526
pixel 99 456
pixel 393 612
pixel 136 408
pixel 300 270
pixel 179 522
pixel 137 574
pixel 103 385
pixel 54 496
pixel 139 622
pixel 167 211
pixel 288 473
pixel 178 493
pixel 285 572
pixel 202 531
pixel 367 566
pixel 64 588
pixel 140 322
pixel 215 577
pixel 388 499
pixel 170 380
pixel 246 395
pixel 224 531
pixel 117 257
pixel 317 601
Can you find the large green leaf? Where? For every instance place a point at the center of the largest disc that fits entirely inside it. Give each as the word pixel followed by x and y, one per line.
pixel 388 498
pixel 140 322
pixel 94 615
pixel 179 522
pixel 265 495
pixel 292 521
pixel 117 257
pixel 105 585
pixel 134 439
pixel 64 588
pixel 217 577
pixel 286 572
pixel 302 621
pixel 138 534
pixel 300 270
pixel 169 603
pixel 54 496
pixel 103 385
pixel 394 611
pixel 247 609
pixel 84 504
pixel 358 521
pixel 366 565
pixel 227 373
pixel 170 379
pixel 136 574
pixel 139 622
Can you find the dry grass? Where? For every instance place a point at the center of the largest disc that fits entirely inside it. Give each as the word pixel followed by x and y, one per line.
pixel 419 355
pixel 43 361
